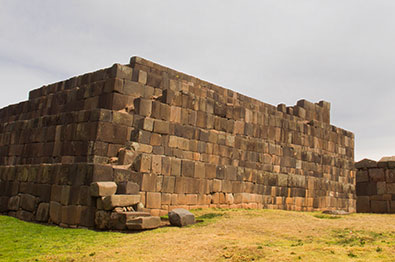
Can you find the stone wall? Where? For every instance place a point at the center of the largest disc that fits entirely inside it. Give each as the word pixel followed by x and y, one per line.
pixel 375 186
pixel 185 142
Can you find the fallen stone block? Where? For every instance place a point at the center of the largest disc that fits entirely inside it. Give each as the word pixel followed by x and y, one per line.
pixel 181 217
pixel 141 223
pixel 102 189
pixel 118 220
pixel 110 202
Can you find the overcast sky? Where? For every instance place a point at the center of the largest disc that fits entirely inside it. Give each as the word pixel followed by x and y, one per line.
pixel 341 51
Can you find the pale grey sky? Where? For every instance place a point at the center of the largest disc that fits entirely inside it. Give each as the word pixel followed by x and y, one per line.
pixel 277 51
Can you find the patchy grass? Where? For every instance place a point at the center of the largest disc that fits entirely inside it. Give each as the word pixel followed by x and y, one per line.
pixel 326 216
pixel 221 235
pixel 23 241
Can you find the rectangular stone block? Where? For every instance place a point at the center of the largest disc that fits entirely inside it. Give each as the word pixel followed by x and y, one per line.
pixel 24 215
pixel 379 206
pixel 168 184
pixel 4 203
pixel 143 106
pixel 149 182
pixel 200 170
pixel 14 203
pixel 156 164
pixel 376 174
pixel 42 214
pixel 102 173
pixel 28 202
pixel 65 195
pixel 43 192
pixel 110 202
pixel 101 189
pixel 142 223
pixel 363 204
pixel 153 200
pixel 187 168
pixel 71 215
pixel 56 193
pixel 143 163
pixel 211 171
pixel 175 167
pixel 161 127
pixel 128 188
pixel 55 212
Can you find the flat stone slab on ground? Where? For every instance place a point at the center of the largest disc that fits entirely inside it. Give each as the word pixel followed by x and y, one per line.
pixel 181 217
pixel 141 223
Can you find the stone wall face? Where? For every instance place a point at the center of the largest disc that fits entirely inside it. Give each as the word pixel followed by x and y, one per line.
pixel 185 142
pixel 375 186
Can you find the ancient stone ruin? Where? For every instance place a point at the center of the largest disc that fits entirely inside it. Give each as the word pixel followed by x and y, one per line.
pixel 375 185
pixel 168 140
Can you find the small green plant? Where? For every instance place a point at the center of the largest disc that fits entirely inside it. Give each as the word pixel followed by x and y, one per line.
pixel 379 249
pixel 351 254
pixel 298 243
pixel 210 216
pixel 325 216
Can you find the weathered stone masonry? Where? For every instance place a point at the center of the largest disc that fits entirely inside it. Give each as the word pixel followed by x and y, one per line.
pixel 375 185
pixel 184 142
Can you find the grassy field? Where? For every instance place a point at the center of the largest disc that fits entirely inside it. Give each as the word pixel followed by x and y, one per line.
pixel 223 235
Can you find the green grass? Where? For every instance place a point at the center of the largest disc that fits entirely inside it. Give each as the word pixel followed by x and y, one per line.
pixel 325 216
pixel 23 241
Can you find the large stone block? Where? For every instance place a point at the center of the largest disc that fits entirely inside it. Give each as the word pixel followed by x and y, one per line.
pixel 101 189
pixel 102 173
pixel 42 214
pixel 153 200
pixel 149 182
pixel 127 157
pixel 14 203
pixel 142 223
pixel 187 168
pixel 110 202
pixel 128 188
pixel 28 202
pixel 363 204
pixel 71 215
pixel 143 106
pixel 43 192
pixel 376 174
pixel 181 217
pixel 24 215
pixel 4 204
pixel 55 212
pixel 378 206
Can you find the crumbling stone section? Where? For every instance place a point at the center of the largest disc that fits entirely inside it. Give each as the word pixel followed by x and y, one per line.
pixel 175 140
pixel 375 185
